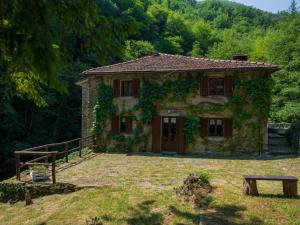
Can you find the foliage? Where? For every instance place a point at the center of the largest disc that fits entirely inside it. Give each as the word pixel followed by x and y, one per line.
pixel 195 189
pixel 39 168
pixel 137 49
pixel 286 94
pixel 33 51
pixel 124 144
pixel 191 129
pixel 293 136
pixel 103 108
pixel 172 90
pixel 258 92
pixel 252 100
pixel 42 56
pixel 204 177
pixel 11 192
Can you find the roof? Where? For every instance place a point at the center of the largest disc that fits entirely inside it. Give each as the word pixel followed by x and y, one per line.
pixel 161 62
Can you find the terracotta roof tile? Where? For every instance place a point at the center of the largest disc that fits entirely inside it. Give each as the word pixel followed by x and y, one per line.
pixel 161 62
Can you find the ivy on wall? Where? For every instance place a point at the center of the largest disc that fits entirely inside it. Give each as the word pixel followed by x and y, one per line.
pixel 252 99
pixel 103 108
pixel 170 90
pixel 191 129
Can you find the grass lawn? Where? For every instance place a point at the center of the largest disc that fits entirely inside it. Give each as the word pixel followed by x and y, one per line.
pixel 138 189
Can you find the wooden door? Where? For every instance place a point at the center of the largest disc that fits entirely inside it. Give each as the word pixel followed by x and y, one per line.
pixel 169 133
pixel 156 134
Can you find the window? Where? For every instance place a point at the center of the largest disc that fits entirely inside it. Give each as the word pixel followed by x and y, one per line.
pixel 216 127
pixel 125 124
pixel 126 88
pixel 216 86
pixel 169 128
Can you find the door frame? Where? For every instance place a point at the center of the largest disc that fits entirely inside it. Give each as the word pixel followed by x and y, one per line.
pixel 176 132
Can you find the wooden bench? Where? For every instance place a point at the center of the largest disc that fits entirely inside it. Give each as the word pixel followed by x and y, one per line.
pixel 289 184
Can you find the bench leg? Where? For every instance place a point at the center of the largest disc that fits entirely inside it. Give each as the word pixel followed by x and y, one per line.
pixel 290 189
pixel 250 187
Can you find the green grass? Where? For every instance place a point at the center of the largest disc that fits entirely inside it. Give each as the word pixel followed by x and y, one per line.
pixel 112 205
pixel 138 189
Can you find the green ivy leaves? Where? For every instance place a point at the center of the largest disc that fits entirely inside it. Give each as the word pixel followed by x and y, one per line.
pixel 103 108
pixel 191 128
pixel 252 98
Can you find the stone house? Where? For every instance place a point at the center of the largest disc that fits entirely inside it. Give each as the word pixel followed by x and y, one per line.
pixel 201 88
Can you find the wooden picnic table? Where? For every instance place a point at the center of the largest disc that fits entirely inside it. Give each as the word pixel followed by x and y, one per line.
pixel 289 184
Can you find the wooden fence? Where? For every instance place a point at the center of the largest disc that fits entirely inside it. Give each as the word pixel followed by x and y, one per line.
pixel 40 155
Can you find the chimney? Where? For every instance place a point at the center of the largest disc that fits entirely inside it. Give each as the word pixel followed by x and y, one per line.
pixel 240 57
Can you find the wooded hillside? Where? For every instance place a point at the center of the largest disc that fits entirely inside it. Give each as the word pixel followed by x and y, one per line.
pixel 44 46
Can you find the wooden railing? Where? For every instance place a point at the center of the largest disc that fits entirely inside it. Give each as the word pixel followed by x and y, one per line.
pixel 44 152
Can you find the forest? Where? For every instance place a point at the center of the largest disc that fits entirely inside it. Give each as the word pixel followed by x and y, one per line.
pixel 44 45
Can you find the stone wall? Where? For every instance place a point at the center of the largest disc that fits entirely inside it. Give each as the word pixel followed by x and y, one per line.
pixel 241 140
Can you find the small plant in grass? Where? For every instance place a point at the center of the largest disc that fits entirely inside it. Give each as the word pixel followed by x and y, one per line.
pixel 195 189
pixel 39 168
pixel 94 221
pixel 204 177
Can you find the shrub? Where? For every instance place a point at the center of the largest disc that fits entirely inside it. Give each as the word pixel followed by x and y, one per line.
pixel 293 136
pixel 11 192
pixel 204 177
pixel 195 190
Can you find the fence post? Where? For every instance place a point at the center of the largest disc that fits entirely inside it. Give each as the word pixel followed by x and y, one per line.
pixel 94 144
pixel 66 152
pixel 80 147
pixel 53 168
pixel 17 155
pixel 46 150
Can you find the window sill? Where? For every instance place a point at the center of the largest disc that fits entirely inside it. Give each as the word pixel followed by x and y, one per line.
pixel 217 96
pixel 126 97
pixel 218 139
pixel 125 133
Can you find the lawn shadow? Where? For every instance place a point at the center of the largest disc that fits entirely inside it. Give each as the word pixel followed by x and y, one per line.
pixel 61 166
pixel 14 192
pixel 65 166
pixel 217 155
pixel 228 215
pixel 274 196
pixel 142 214
pixel 192 217
pixel 145 214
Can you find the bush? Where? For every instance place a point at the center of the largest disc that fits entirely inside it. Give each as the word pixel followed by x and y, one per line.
pixel 11 192
pixel 204 177
pixel 195 189
pixel 293 136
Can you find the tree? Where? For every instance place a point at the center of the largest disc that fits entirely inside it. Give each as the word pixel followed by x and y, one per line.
pixel 204 38
pixel 37 38
pixel 232 43
pixel 293 9
pixel 137 49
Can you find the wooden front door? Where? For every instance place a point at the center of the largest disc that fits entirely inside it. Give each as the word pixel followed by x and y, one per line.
pixel 169 134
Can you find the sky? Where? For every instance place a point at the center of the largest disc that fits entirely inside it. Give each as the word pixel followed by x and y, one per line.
pixel 268 5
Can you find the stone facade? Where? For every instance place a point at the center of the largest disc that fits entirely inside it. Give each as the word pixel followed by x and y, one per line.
pixel 240 141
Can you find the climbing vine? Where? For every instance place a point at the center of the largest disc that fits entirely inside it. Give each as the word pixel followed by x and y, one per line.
pixel 252 98
pixel 103 108
pixel 191 129
pixel 171 90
